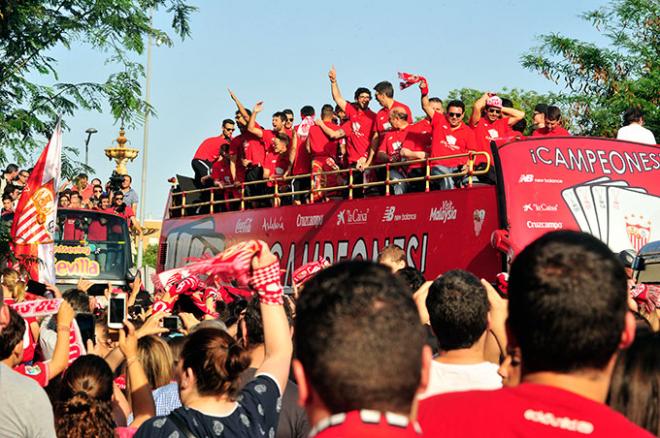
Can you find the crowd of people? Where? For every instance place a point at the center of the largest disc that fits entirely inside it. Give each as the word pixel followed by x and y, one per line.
pixel 350 135
pixel 81 193
pixel 560 347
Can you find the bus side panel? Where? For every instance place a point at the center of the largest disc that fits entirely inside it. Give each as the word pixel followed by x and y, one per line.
pixel 438 230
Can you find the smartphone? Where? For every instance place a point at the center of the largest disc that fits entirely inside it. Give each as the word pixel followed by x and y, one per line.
pixel 86 324
pixel 34 287
pixel 117 311
pixel 172 323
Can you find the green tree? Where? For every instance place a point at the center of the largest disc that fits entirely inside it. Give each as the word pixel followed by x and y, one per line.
pixel 150 256
pixel 30 29
pixel 600 83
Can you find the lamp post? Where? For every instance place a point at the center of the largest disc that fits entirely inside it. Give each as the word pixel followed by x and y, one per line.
pixel 90 132
pixel 145 142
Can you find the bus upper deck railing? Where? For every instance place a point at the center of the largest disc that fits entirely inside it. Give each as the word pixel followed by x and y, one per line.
pixel 209 204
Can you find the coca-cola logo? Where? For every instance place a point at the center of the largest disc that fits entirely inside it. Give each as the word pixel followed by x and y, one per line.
pixel 273 224
pixel 243 226
pixel 446 212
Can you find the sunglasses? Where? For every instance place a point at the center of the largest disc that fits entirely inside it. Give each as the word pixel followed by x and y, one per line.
pixel 457 115
pixel 230 129
pixel 494 110
pixel 119 199
pixel 289 120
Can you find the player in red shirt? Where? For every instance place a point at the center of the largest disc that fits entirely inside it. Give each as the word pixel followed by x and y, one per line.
pixel 552 124
pixel 275 164
pixel 492 121
pixel 421 134
pixel 299 156
pixel 384 94
pixel 221 177
pixel 450 137
pixel 359 129
pixel 209 151
pixel 567 324
pixel 323 150
pixel 395 147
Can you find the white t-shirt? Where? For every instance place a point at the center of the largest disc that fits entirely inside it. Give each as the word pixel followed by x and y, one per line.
pixel 636 132
pixel 461 377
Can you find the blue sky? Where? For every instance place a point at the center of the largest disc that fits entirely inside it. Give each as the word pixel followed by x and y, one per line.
pixel 280 52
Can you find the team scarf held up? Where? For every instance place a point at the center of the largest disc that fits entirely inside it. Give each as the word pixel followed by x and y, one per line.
pixel 232 264
pixel 408 79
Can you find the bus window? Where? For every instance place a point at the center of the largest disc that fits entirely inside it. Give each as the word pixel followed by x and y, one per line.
pixel 93 245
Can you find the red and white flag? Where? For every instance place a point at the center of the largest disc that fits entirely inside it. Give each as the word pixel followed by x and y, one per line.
pixel 35 218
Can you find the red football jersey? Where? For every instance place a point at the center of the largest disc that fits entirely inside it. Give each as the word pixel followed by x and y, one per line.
pixel 248 146
pixel 485 132
pixel 528 410
pixel 209 150
pixel 359 129
pixel 421 135
pixel 448 141
pixel 303 161
pixel 276 163
pixel 322 146
pixel 38 372
pixel 393 141
pixel 383 116
pixel 220 171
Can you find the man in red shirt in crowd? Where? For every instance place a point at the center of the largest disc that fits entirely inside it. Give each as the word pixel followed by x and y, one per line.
pixel 350 307
pixel 125 211
pixel 209 151
pixel 568 318
pixel 299 157
pixel 492 122
pixel 552 125
pixel 323 150
pixel 359 129
pixel 450 136
pixel 421 134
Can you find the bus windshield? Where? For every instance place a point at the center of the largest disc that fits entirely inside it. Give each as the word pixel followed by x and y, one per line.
pixel 91 244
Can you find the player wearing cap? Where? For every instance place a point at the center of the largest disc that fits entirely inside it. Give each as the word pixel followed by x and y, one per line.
pixel 491 121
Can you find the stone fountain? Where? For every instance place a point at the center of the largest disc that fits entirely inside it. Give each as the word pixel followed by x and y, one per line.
pixel 121 154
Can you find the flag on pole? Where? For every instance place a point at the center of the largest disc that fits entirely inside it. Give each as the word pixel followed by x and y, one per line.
pixel 35 217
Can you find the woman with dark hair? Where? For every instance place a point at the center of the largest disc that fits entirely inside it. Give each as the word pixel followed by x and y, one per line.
pixel 85 399
pixel 210 366
pixel 635 387
pixel 85 403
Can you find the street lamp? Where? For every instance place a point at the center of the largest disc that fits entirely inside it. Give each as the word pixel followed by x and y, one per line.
pixel 89 132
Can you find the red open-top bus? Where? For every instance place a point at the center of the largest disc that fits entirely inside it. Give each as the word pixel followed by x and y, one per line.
pixel 608 188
